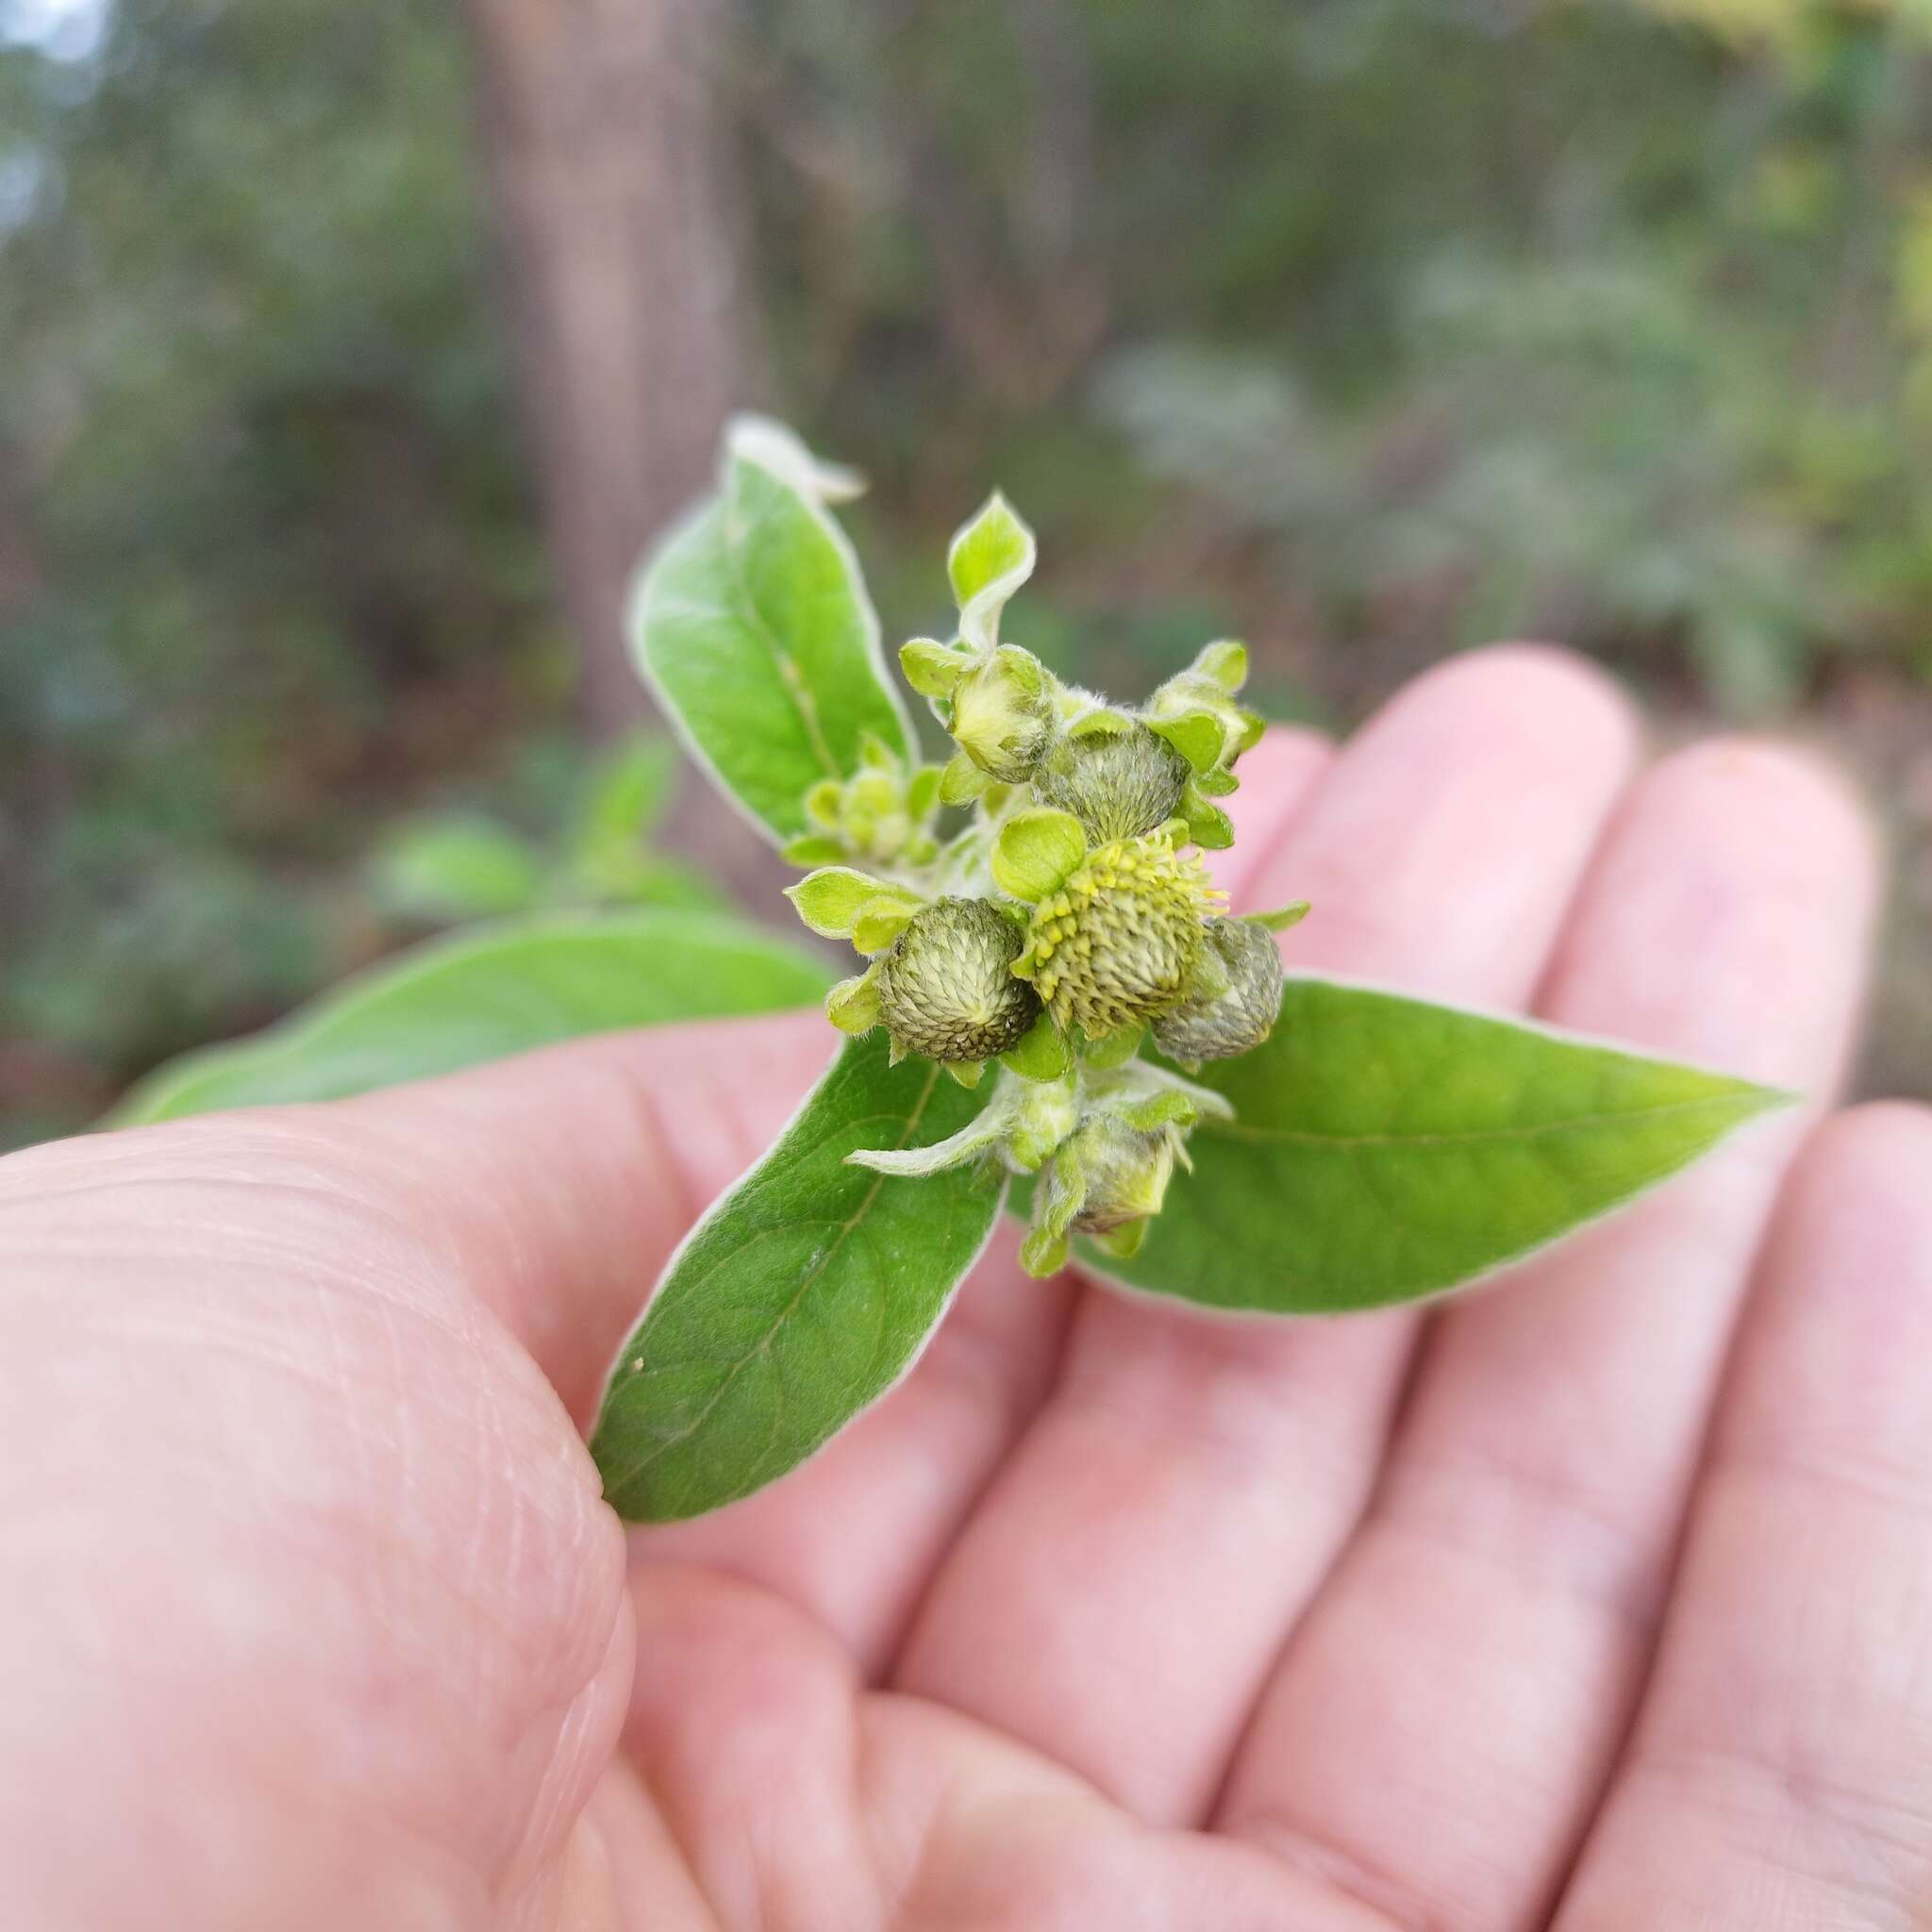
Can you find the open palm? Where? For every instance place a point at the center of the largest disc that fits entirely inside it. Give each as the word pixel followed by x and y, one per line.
pixel 1602 1599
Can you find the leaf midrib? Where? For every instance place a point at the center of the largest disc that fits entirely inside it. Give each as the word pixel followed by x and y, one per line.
pixel 789 673
pixel 784 1314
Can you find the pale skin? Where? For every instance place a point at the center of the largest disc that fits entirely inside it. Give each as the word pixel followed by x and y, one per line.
pixel 1601 1599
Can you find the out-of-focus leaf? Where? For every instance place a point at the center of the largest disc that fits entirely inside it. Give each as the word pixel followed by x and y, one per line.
pixel 482 995
pixel 455 868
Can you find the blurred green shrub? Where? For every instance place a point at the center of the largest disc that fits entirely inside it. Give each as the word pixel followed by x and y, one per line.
pixel 1395 322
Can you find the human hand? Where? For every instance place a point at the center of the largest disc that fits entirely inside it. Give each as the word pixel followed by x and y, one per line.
pixel 1528 1612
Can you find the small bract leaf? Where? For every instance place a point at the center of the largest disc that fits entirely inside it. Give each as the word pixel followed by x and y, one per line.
pixel 960 781
pixel 1045 1054
pixel 931 668
pixel 1103 723
pixel 1037 852
pixel 1043 1253
pixel 1384 1149
pixel 1197 735
pixel 1218 783
pixel 967 1072
pixel 976 1139
pixel 880 921
pixel 800 1297
pixel 1124 1241
pixel 1280 922
pixel 830 900
pixel 853 1005
pixel 1209 826
pixel 1225 662
pixel 1115 1049
pixel 992 555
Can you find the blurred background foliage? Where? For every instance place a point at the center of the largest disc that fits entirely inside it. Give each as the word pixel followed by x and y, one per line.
pixel 1366 329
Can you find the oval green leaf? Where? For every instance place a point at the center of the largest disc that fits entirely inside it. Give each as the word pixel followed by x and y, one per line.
pixel 1385 1149
pixel 801 1297
pixel 751 624
pixel 487 993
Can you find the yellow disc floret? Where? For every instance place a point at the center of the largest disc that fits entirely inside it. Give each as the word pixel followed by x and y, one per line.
pixel 1118 944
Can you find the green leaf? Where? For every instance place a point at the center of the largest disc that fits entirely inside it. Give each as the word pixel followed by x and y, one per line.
pixel 1385 1149
pixel 992 555
pixel 484 995
pixel 815 848
pixel 751 624
pixel 801 1297
pixel 1037 852
pixel 627 791
pixel 456 867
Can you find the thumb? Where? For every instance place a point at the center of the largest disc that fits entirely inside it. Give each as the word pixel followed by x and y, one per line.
pixel 296 1519
pixel 557 1183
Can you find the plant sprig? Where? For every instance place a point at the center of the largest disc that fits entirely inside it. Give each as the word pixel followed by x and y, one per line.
pixel 1055 1001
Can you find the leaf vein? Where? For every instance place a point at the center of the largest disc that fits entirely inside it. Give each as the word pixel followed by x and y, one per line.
pixel 845 1227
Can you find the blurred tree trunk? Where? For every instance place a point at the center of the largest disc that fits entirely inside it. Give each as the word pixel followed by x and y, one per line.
pixel 617 207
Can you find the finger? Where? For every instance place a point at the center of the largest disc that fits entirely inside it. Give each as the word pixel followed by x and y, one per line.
pixel 855 1534
pixel 557 1183
pixel 1780 1774
pixel 319 1601
pixel 1501 1594
pixel 1118 1597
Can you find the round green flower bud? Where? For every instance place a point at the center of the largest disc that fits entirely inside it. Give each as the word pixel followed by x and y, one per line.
pixel 1213 1026
pixel 946 988
pixel 1118 784
pixel 1119 941
pixel 1002 714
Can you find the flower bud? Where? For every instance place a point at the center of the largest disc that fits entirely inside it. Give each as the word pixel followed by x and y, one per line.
pixel 1230 1011
pixel 1119 941
pixel 946 988
pixel 1123 1171
pixel 1118 784
pixel 883 814
pixel 1002 713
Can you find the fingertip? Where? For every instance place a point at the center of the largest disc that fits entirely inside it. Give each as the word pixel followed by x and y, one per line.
pixel 1549 687
pixel 1870 1165
pixel 1773 791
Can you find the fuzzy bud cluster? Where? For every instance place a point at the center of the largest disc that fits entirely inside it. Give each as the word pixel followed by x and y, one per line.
pixel 1068 920
pixel 882 815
